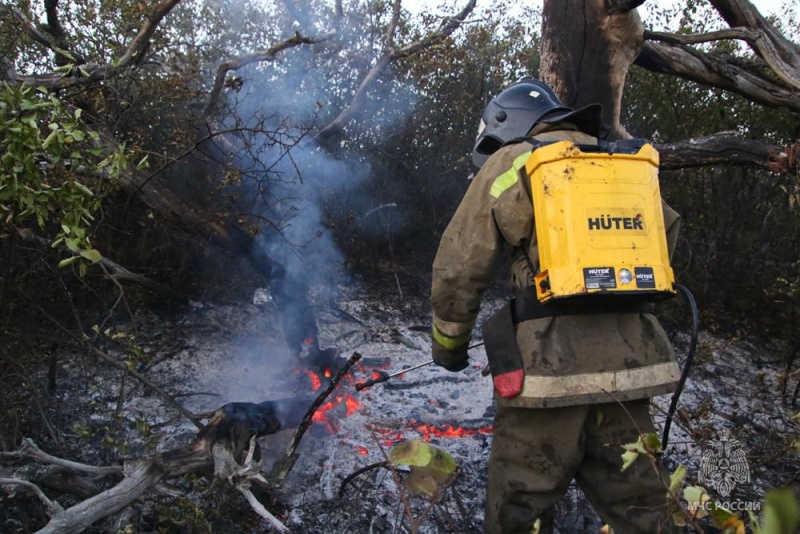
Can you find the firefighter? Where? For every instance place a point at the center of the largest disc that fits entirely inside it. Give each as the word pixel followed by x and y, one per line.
pixel 586 376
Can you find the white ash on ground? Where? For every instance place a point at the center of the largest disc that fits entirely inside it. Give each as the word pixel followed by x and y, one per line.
pixel 215 354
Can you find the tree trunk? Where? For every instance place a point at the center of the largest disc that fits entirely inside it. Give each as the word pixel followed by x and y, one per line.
pixel 587 48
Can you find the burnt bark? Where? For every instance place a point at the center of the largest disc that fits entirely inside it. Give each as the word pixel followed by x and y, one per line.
pixel 587 49
pixel 724 148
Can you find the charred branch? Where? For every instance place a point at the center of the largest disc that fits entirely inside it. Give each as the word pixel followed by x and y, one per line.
pixel 284 465
pixel 725 148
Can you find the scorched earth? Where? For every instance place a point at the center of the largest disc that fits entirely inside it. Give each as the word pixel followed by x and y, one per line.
pixel 213 354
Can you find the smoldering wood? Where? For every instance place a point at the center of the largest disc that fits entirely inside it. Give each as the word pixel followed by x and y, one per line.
pixel 287 461
pixel 217 449
pixel 724 148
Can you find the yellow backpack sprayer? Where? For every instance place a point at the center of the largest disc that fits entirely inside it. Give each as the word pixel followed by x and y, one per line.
pixel 599 222
pixel 600 230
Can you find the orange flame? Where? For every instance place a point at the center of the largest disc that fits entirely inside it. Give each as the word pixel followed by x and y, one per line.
pixel 352 405
pixel 427 432
pixel 321 415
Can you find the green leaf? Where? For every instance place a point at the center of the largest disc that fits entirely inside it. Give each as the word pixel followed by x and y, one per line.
pixel 431 467
pixel 413 452
pixel 628 457
pixel 726 520
pixel 83 189
pixel 92 255
pixel 50 138
pixel 67 261
pixel 781 512
pixel 696 497
pixel 143 164
pixel 676 480
pixel 651 442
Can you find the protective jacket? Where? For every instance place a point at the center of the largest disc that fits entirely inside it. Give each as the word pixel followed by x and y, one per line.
pixel 567 359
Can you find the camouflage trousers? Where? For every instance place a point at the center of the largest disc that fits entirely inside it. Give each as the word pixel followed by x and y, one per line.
pixel 536 453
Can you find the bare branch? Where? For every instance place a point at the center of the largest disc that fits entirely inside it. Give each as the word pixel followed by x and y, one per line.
pixel 773 83
pixel 390 31
pixel 95 72
pixel 53 508
pixel 692 65
pixel 757 40
pixel 781 54
pixel 30 450
pixel 35 33
pixel 263 512
pixel 254 57
pixel 448 26
pixel 64 53
pixel 142 476
pixel 123 367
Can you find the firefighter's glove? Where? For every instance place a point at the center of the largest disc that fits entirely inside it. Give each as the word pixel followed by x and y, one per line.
pixel 450 352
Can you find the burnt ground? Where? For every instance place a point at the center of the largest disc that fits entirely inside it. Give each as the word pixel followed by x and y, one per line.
pixel 213 353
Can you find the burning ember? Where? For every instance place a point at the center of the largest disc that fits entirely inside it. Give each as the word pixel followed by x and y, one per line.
pixel 329 412
pixel 316 379
pixel 342 404
pixel 427 431
pixel 316 383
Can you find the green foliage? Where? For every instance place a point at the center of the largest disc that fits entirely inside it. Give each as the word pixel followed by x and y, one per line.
pixel 47 151
pixel 431 468
pixel 690 503
pixel 182 515
pixel 781 513
pixel 647 445
pixel 738 225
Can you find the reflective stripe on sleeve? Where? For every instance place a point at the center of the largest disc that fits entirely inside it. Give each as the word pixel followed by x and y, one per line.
pixel 450 343
pixel 508 178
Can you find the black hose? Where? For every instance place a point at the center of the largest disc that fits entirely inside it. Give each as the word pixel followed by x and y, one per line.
pixel 686 366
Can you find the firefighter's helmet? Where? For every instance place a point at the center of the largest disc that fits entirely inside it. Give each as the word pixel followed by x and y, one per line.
pixel 517 109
